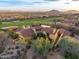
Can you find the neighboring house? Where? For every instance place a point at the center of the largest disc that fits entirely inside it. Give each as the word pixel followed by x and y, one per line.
pixel 8 19
pixel 69 21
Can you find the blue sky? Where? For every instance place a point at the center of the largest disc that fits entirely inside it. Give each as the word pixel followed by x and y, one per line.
pixel 38 5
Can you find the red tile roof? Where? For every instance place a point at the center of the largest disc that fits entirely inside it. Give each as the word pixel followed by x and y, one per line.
pixel 29 32
pixel 48 30
pixel 66 32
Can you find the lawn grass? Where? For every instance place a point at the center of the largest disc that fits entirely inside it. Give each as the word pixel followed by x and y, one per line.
pixel 27 22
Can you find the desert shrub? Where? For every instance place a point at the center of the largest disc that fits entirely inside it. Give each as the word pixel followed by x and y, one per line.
pixel 42 46
pixel 40 34
pixel 1 49
pixel 24 40
pixel 69 47
pixel 13 34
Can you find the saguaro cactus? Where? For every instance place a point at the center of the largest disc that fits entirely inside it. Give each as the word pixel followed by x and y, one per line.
pixel 57 37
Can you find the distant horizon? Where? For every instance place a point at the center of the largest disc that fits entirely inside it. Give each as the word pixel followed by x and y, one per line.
pixel 36 11
pixel 38 5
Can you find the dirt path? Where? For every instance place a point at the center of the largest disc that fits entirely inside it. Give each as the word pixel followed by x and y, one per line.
pixel 30 54
pixel 55 55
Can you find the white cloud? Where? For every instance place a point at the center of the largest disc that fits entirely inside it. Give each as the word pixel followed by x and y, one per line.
pixel 45 5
